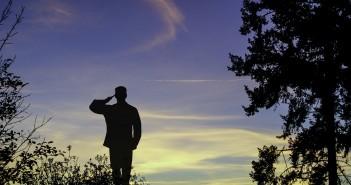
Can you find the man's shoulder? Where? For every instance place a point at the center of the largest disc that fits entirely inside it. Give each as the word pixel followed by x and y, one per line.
pixel 132 107
pixel 125 105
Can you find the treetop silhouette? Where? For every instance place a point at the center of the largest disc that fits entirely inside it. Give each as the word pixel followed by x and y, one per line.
pixel 299 55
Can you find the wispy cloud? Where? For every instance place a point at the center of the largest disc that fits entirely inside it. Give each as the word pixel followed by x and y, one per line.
pixel 51 13
pixel 145 114
pixel 188 148
pixel 198 81
pixel 172 19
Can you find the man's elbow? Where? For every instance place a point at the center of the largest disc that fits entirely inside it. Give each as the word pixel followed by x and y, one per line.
pixel 93 107
pixel 137 134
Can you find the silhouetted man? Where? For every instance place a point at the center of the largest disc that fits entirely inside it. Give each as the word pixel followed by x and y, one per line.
pixel 123 132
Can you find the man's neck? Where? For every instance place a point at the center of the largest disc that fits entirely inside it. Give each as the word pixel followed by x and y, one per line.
pixel 121 101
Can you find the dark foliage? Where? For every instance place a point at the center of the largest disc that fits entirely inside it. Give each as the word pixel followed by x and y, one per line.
pixel 299 55
pixel 67 171
pixel 19 149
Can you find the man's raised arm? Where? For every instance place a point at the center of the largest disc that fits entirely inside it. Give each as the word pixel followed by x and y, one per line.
pixel 98 106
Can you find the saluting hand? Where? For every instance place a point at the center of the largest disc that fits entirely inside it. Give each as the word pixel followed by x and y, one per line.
pixel 109 98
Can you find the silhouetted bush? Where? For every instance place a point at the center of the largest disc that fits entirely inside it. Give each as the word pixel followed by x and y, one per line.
pixel 68 171
pixel 19 149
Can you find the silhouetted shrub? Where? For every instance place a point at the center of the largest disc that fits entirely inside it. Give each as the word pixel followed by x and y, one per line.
pixel 19 149
pixel 68 171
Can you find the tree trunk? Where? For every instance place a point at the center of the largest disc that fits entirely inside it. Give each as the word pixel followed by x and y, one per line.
pixel 328 106
pixel 331 136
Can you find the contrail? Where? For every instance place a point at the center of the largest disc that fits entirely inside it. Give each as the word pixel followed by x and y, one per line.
pixel 198 81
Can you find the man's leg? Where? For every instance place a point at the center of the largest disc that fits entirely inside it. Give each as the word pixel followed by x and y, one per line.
pixel 127 166
pixel 116 166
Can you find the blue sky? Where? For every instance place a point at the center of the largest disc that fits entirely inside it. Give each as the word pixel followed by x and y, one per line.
pixel 172 56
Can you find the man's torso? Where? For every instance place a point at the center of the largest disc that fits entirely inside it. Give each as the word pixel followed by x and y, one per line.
pixel 119 121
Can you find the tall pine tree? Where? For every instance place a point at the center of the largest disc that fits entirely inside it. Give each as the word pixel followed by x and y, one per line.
pixel 299 55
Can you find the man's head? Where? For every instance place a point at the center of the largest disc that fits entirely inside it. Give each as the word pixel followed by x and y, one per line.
pixel 121 93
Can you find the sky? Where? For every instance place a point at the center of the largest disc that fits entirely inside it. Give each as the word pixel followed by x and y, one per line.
pixel 172 56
